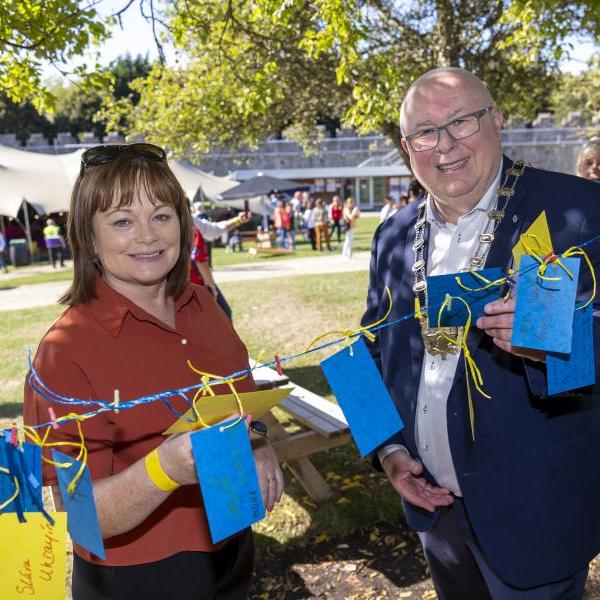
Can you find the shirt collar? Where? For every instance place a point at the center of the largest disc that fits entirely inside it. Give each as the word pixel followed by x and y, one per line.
pixel 485 204
pixel 110 307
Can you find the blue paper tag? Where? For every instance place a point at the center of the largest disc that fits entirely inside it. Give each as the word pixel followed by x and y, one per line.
pixel 228 479
pixel 24 462
pixel 544 309
pixel 571 371
pixel 438 286
pixel 82 518
pixel 362 396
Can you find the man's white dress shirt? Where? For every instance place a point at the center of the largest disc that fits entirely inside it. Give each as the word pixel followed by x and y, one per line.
pixel 450 249
pixel 386 212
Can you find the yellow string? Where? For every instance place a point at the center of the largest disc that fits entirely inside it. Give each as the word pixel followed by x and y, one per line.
pixel 506 296
pixel 486 281
pixel 347 334
pixel 544 262
pixel 207 389
pixel 471 368
pixel 543 250
pixel 15 493
pixel 240 407
pixel 579 251
pixel 258 361
pixel 35 438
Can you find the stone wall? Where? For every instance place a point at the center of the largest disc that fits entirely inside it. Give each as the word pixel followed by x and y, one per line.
pixel 546 146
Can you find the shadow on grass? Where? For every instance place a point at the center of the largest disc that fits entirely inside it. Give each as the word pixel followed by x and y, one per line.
pixel 361 528
pixel 11 410
pixel 310 377
pixel 347 566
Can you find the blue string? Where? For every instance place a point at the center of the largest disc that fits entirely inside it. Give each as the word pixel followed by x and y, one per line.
pixel 52 396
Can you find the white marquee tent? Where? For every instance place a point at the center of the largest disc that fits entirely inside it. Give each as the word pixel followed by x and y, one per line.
pixel 45 180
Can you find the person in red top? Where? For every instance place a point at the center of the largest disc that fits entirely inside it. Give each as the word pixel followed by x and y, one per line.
pixel 335 217
pixel 132 323
pixel 201 273
pixel 282 220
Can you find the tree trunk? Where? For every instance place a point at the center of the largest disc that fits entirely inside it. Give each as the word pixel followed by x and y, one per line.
pixel 392 130
pixel 447 34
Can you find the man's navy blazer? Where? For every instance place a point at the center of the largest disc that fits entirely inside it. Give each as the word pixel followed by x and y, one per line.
pixel 531 478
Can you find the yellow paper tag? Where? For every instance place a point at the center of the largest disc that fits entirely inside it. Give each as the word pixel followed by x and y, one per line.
pixel 32 556
pixel 536 238
pixel 213 409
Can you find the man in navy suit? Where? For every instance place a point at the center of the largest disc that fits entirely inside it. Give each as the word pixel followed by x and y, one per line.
pixel 506 506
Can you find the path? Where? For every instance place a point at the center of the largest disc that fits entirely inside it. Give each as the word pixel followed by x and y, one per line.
pixel 43 294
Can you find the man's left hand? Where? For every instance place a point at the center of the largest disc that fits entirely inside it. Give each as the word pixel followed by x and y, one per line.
pixel 498 323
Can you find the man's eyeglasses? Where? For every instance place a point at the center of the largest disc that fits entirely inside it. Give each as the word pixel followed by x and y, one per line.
pixel 458 129
pixel 100 155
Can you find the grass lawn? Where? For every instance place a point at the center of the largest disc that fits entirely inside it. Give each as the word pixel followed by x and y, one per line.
pixel 19 329
pixel 282 319
pixel 13 278
pixel 271 318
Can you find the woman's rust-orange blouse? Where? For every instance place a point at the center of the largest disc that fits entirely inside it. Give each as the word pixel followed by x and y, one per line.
pixel 111 344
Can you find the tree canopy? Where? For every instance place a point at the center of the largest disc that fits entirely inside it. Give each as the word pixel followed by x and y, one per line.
pixel 578 93
pixel 74 108
pixel 37 32
pixel 250 70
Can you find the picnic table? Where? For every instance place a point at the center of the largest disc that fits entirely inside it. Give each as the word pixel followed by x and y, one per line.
pixel 324 427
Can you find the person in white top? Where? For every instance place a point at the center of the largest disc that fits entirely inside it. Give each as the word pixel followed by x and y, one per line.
pixel 503 491
pixel 389 208
pixel 309 223
pixel 350 214
pixel 211 231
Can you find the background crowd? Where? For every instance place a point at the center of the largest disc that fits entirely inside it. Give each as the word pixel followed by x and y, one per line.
pixel 315 220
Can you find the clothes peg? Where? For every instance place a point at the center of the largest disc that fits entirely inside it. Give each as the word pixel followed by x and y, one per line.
pixel 278 365
pixel 52 418
pixel 14 438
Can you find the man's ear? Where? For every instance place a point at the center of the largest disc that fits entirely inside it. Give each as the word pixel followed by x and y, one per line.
pixel 498 118
pixel 404 152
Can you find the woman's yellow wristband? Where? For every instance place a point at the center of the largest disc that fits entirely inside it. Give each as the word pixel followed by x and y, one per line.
pixel 158 475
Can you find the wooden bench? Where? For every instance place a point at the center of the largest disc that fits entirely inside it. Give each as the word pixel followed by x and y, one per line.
pixel 325 424
pixel 270 251
pixel 266 243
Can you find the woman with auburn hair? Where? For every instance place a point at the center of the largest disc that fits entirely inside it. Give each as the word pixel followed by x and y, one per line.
pixel 588 162
pixel 132 323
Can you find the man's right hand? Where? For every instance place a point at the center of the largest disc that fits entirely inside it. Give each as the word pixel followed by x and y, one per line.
pixel 404 474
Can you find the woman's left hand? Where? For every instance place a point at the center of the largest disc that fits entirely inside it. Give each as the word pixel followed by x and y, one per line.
pixel 270 476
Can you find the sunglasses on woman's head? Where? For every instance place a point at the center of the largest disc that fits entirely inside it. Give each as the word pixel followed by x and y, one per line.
pixel 100 155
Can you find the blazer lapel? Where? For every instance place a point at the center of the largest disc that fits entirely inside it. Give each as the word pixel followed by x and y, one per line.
pixel 515 221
